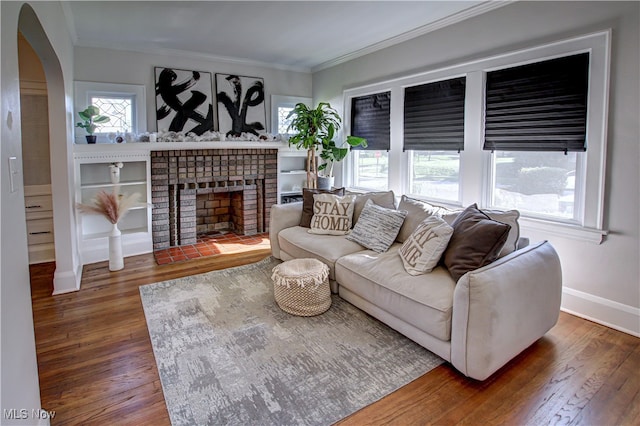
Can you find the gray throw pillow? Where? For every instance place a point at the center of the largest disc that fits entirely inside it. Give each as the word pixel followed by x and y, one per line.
pixel 476 242
pixel 377 227
pixel 384 199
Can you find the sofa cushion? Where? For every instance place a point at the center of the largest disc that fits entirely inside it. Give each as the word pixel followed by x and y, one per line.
pixel 298 243
pixel 377 227
pixel 307 203
pixel 424 301
pixel 332 214
pixel 383 199
pixel 422 251
pixel 476 241
pixel 417 212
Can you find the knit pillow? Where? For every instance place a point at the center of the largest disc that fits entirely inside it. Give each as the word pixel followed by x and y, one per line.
pixel 377 227
pixel 332 214
pixel 421 252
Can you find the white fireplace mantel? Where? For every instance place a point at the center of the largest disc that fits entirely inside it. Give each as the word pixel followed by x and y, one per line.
pixel 123 148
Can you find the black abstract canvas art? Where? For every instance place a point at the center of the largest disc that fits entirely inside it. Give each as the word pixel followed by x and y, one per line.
pixel 241 106
pixel 183 101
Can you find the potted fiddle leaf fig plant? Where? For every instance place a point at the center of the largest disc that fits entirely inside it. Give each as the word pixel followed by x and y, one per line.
pixel 314 130
pixel 91 118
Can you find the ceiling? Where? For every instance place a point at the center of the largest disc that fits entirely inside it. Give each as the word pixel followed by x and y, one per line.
pixel 299 35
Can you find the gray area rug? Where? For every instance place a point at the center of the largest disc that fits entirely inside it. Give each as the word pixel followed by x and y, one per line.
pixel 227 354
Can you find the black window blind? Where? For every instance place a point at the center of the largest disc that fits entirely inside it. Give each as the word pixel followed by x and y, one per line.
pixel 538 107
pixel 371 119
pixel 434 116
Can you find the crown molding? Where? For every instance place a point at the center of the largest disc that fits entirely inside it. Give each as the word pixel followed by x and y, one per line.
pixel 433 26
pixel 192 55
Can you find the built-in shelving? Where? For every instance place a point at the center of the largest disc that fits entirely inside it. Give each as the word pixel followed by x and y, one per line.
pixel 92 176
pixel 293 174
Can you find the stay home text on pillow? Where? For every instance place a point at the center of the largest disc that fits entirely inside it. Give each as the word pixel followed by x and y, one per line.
pixel 421 252
pixel 332 214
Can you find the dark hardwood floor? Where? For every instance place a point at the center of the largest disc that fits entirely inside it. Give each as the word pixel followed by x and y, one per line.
pixel 96 363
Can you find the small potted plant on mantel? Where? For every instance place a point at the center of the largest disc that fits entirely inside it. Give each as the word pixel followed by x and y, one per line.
pixel 91 118
pixel 315 129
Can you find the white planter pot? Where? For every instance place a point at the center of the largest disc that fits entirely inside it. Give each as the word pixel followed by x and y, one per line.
pixel 325 182
pixel 116 260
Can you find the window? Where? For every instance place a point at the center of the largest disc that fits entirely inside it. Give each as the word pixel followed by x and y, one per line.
pixel 537 183
pixel 434 136
pixel 118 109
pixel 370 119
pixel 535 120
pixel 435 175
pixel 542 152
pixel 124 104
pixel 371 170
pixel 281 106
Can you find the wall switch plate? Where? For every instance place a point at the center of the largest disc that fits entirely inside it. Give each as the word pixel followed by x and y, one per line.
pixel 14 170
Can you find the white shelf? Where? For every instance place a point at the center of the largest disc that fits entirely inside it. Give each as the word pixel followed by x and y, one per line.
pixel 110 185
pixel 293 174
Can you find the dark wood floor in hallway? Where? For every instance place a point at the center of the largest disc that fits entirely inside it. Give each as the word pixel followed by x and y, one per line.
pixel 96 363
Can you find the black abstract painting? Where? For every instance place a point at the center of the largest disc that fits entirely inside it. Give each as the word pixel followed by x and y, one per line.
pixel 241 106
pixel 183 101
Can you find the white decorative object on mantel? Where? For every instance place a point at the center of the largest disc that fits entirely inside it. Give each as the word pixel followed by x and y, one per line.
pixel 116 260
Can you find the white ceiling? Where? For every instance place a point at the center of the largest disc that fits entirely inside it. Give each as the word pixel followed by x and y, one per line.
pixel 300 35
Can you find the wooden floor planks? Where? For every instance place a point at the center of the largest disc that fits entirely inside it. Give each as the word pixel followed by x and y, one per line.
pixel 96 363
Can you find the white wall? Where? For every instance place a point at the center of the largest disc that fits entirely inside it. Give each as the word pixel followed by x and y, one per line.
pixel 46 30
pixel 114 66
pixel 601 282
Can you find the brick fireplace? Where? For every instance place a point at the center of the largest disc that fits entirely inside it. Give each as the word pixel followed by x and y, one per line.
pixel 202 191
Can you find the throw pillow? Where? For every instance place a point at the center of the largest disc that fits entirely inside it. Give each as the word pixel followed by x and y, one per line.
pixel 377 227
pixel 418 211
pixel 510 217
pixel 421 252
pixel 383 199
pixel 332 214
pixel 307 203
pixel 476 242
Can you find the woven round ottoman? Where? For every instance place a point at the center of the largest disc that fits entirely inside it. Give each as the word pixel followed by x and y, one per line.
pixel 301 287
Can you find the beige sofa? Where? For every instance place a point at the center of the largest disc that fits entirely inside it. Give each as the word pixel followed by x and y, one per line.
pixel 477 324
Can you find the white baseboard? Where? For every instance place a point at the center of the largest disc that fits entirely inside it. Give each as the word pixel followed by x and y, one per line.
pixel 67 281
pixel 603 311
pixel 98 250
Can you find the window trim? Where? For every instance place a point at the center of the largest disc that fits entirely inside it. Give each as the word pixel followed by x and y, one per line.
pixel 85 89
pixel 475 164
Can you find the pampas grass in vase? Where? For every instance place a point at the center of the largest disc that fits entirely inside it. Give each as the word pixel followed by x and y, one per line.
pixel 113 206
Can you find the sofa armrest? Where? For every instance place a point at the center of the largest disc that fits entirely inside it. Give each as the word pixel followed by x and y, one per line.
pixel 282 216
pixel 501 309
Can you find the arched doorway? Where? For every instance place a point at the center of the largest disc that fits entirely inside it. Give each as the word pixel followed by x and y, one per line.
pixel 68 268
pixel 36 158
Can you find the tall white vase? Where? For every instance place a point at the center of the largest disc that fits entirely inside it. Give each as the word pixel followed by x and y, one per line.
pixel 115 174
pixel 116 261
